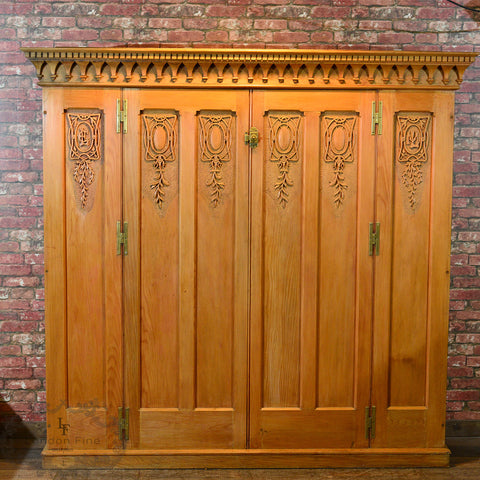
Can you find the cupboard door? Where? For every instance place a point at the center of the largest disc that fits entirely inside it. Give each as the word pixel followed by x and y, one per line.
pixel 311 274
pixel 83 272
pixel 412 272
pixel 186 273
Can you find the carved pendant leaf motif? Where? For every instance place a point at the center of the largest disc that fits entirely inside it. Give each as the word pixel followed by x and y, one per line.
pixel 215 148
pixel 84 148
pixel 339 148
pixel 412 150
pixel 284 146
pixel 160 133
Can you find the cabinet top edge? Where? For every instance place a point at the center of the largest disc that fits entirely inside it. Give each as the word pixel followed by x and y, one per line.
pixel 121 66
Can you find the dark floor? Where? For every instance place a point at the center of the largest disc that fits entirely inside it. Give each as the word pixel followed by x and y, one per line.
pixel 23 464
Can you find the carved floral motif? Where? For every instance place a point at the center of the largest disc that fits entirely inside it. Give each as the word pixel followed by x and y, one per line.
pixel 160 132
pixel 215 138
pixel 412 150
pixel 284 148
pixel 339 148
pixel 84 148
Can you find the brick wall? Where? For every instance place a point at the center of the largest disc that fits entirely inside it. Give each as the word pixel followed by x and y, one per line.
pixel 368 24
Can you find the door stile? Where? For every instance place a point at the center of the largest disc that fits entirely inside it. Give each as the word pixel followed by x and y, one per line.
pixel 55 272
pixel 131 265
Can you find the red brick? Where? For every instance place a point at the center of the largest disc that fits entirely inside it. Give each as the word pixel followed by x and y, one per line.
pixel 463 394
pixel 16 373
pixel 186 36
pixel 270 24
pixel 78 35
pixel 12 362
pixel 200 23
pixel 36 362
pixel 11 258
pixel 457 361
pixel 112 34
pixel 467 415
pixel 216 36
pixel 290 37
pixel 167 23
pixel 461 383
pixel 119 10
pixel 460 371
pixel 464 294
pixel 28 177
pixel 8 246
pixel 330 12
pixel 225 11
pixel 468 338
pixel 16 222
pixel 10 350
pixel 18 326
pixel 322 37
pixel 473 361
pixel 455 406
pixel 395 38
pixel 59 22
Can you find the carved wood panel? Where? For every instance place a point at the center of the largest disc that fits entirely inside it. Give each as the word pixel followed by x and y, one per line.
pixel 85 151
pixel 216 131
pixel 339 135
pixel 284 133
pixel 412 152
pixel 160 147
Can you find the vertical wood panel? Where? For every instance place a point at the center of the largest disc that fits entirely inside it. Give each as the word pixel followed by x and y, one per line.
pixel 85 268
pixel 282 258
pixel 337 259
pixel 410 261
pixel 159 258
pixel 216 157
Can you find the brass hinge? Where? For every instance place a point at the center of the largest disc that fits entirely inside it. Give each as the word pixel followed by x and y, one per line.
pixel 374 239
pixel 377 117
pixel 121 115
pixel 370 420
pixel 122 238
pixel 251 137
pixel 123 423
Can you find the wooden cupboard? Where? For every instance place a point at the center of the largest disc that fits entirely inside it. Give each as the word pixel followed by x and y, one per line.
pixel 247 256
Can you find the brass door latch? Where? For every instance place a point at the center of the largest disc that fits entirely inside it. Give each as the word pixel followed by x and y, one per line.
pixel 251 137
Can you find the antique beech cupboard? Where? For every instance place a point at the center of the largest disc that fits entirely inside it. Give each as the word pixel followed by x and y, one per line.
pixel 247 256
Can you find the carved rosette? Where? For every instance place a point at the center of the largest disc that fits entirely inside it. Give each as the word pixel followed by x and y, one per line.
pixel 215 142
pixel 339 148
pixel 413 135
pixel 284 148
pixel 159 138
pixel 84 149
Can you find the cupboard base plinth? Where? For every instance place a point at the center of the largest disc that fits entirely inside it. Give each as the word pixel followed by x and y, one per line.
pixel 174 459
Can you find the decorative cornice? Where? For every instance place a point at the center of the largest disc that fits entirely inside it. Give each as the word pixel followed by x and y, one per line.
pixel 247 68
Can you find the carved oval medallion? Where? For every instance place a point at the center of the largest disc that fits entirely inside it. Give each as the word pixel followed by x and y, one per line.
pixel 160 138
pixel 284 138
pixel 339 140
pixel 216 138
